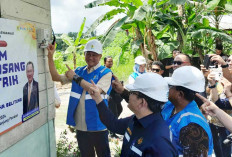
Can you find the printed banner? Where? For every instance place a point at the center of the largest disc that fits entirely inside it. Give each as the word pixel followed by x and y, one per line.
pixel 19 91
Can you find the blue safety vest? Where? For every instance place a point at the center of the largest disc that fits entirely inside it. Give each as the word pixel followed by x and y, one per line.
pixel 134 75
pixel 190 114
pixel 92 119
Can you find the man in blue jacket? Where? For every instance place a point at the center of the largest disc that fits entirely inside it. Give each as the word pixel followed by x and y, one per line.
pixel 145 132
pixel 82 112
pixel 190 129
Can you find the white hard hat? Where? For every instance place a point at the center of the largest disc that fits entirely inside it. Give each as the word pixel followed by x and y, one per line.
pixel 189 77
pixel 94 46
pixel 140 60
pixel 152 85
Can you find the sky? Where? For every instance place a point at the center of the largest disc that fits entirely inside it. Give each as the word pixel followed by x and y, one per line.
pixel 67 15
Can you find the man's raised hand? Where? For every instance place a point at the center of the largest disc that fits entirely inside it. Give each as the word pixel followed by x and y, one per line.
pixel 95 93
pixel 70 73
pixel 208 107
pixel 117 86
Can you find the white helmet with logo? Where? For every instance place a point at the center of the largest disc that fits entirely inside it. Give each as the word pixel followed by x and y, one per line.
pixel 140 60
pixel 152 85
pixel 189 77
pixel 94 46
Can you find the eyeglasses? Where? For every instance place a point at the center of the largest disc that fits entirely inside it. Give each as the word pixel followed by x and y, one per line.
pixel 155 70
pixel 178 62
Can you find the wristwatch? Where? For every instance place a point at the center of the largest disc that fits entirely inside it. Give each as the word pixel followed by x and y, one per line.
pixel 225 66
pixel 213 86
pixel 77 79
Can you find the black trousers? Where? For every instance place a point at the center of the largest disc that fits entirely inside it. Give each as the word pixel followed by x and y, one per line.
pixel 89 142
pixel 219 135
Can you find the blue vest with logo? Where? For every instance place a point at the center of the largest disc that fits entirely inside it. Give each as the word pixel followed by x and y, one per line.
pixel 92 119
pixel 190 114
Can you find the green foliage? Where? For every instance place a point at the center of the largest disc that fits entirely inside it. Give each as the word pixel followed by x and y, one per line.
pixel 117 148
pixel 65 148
pixel 60 59
pixel 123 66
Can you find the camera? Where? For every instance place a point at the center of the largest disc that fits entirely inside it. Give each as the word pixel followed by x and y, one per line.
pixel 207 63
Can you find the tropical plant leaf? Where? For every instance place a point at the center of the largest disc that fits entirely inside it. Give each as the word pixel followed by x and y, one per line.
pixel 137 3
pixel 165 49
pixel 114 3
pixel 81 47
pixel 139 14
pixel 134 48
pixel 206 22
pixel 214 32
pixel 128 25
pixel 110 34
pixel 94 25
pixel 150 2
pixel 95 3
pixel 164 30
pixel 212 4
pixel 161 2
pixel 228 6
pixel 70 49
pixel 109 15
pixel 177 2
pixel 124 48
pixel 80 32
pixel 191 17
pixel 83 41
pixel 68 40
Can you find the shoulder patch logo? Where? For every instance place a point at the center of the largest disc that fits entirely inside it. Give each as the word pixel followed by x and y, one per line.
pixel 140 140
pixel 129 131
pixel 95 77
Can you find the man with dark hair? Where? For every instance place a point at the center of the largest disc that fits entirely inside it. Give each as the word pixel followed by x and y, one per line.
pixel 219 49
pixel 169 65
pixel 108 62
pixel 114 100
pixel 146 133
pixel 183 115
pixel 181 60
pixel 157 67
pixel 30 90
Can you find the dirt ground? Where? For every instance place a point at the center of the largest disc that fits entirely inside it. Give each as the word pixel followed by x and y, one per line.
pixel 61 113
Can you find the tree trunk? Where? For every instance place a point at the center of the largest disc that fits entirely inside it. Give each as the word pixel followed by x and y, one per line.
pixel 74 60
pixel 179 36
pixel 151 43
pixel 139 36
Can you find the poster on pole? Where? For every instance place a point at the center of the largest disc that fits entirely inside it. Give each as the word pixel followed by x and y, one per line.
pixel 19 90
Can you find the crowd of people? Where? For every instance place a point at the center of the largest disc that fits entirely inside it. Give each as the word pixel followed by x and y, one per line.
pixel 185 114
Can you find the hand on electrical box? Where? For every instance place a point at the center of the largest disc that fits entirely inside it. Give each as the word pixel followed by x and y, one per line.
pixel 43 37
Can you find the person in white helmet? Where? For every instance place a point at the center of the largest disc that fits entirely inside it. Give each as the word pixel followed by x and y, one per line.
pixel 139 68
pixel 82 112
pixel 145 132
pixel 190 129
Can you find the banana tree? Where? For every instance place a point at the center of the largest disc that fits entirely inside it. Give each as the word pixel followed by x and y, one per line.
pixel 78 44
pixel 138 19
pixel 218 8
